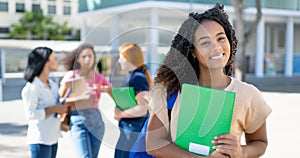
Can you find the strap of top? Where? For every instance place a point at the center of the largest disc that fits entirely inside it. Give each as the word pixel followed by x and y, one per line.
pixel 170 102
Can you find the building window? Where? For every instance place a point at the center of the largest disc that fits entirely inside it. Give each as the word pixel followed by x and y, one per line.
pixel 281 39
pixel 36 8
pixel 51 9
pixel 69 33
pixel 15 60
pixel 4 30
pixel 3 6
pixel 20 7
pixel 67 10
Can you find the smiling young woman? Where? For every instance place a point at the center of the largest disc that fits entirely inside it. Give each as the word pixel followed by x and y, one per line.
pixel 202 53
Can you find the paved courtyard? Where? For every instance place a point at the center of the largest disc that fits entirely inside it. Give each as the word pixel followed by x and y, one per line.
pixel 283 128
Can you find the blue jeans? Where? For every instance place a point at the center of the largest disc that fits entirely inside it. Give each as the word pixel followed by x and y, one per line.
pixel 87 130
pixel 44 151
pixel 129 131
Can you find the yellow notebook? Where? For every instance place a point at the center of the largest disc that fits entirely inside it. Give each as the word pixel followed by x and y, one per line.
pixel 203 114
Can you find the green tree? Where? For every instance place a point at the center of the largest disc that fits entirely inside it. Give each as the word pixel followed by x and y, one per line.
pixel 35 25
pixel 59 31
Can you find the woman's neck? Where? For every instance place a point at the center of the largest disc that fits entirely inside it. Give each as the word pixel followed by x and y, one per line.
pixel 214 80
pixel 131 68
pixel 44 77
pixel 86 73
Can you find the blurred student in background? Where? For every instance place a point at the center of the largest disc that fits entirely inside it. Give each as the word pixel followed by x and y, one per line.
pixel 39 98
pixel 132 120
pixel 86 124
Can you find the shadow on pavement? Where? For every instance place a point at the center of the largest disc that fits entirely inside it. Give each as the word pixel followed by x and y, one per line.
pixel 13 129
pixel 13 149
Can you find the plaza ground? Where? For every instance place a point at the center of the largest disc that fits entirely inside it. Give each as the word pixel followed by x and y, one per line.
pixel 282 125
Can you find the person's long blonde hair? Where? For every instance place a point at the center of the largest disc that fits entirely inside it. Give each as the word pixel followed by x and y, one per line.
pixel 134 54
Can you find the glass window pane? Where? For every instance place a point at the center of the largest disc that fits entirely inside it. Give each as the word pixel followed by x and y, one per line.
pixel 15 60
pixel 51 9
pixel 4 30
pixel 67 10
pixel 3 6
pixel 36 7
pixel 20 7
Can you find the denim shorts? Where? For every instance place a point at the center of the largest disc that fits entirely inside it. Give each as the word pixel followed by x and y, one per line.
pixel 87 130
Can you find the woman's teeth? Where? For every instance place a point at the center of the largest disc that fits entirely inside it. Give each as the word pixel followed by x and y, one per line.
pixel 217 57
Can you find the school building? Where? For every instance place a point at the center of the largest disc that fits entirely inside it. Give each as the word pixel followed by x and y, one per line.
pixel 272 51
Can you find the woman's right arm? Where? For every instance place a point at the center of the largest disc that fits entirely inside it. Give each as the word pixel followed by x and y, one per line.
pixel 58 108
pixel 30 100
pixel 62 92
pixel 63 88
pixel 159 146
pixel 157 143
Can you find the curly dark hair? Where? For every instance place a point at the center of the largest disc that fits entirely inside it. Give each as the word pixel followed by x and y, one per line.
pixel 70 59
pixel 179 65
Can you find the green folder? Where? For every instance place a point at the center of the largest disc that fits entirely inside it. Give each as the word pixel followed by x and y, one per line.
pixel 203 114
pixel 124 97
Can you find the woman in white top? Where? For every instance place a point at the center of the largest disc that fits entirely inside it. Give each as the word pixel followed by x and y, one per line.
pixel 39 98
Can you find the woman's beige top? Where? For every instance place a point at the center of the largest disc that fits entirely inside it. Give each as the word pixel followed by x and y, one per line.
pixel 250 108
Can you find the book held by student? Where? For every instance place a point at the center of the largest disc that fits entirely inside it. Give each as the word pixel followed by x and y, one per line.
pixel 124 97
pixel 78 85
pixel 204 113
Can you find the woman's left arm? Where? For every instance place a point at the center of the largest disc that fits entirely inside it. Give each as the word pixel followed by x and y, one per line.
pixel 256 144
pixel 136 111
